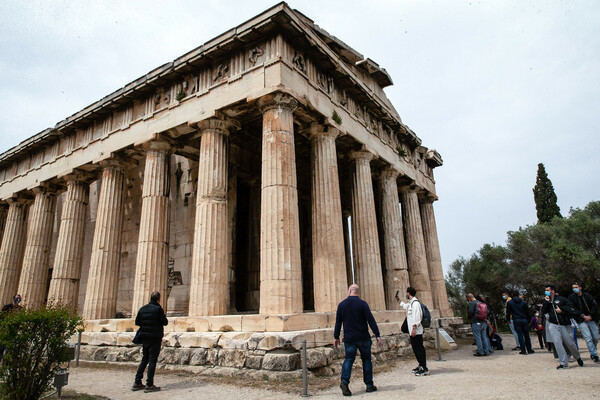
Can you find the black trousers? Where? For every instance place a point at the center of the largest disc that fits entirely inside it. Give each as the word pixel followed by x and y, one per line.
pixel 416 343
pixel 150 352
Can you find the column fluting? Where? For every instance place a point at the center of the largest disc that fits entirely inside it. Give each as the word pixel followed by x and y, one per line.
pixel 13 246
pixel 415 245
pixel 280 267
pixel 3 214
pixel 209 289
pixel 153 241
pixel 434 259
pixel 103 276
pixel 396 274
pixel 34 274
pixel 329 263
pixel 66 273
pixel 365 239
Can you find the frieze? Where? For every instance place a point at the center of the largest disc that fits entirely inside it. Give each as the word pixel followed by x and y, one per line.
pixel 254 55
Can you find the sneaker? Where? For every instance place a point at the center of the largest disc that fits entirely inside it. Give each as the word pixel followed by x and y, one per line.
pixel 530 351
pixel 137 386
pixel 580 362
pixel 416 369
pixel 345 390
pixel 523 352
pixel 149 389
pixel 562 367
pixel 516 348
pixel 478 355
pixel 596 359
pixel 423 372
pixel 371 389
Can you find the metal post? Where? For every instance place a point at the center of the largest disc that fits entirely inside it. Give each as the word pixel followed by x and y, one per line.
pixel 77 349
pixel 304 371
pixel 437 339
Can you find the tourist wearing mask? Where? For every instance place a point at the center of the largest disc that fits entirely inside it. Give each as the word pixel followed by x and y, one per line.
pixel 586 319
pixel 537 324
pixel 517 311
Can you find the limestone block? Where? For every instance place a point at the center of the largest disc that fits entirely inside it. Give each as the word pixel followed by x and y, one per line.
pixel 190 339
pixel 225 323
pixel 100 354
pixel 124 339
pixel 254 362
pixel 234 340
pixel 296 322
pixel 269 342
pixel 279 361
pixel 255 339
pixel 99 338
pixel 86 352
pixel 254 323
pixel 390 328
pixel 170 355
pixel 130 354
pixel 232 358
pixel 189 324
pixel 198 356
pixel 323 337
pixel 212 356
pixel 316 358
pixel 171 339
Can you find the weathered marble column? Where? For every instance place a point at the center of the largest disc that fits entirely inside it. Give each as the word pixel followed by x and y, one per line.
pixel 434 260
pixel 34 275
pixel 280 268
pixel 365 239
pixel 64 286
pixel 209 289
pixel 153 241
pixel 3 214
pixel 415 245
pixel 103 276
pixel 11 251
pixel 329 263
pixel 396 274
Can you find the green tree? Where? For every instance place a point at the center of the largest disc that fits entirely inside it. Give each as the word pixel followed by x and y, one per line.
pixel 544 196
pixel 35 343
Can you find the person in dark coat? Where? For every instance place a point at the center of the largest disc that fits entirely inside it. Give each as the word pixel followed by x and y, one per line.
pixel 151 319
pixel 518 311
pixel 586 318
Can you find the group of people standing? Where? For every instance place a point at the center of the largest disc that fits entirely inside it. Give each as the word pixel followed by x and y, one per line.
pixel 554 322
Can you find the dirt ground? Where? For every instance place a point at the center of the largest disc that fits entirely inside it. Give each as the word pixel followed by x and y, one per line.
pixel 503 375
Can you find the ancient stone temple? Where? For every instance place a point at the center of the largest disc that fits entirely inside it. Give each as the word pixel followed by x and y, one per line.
pixel 249 181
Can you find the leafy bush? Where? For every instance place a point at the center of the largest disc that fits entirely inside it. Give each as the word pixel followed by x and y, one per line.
pixel 35 343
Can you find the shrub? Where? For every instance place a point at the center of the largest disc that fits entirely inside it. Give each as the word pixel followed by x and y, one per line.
pixel 35 343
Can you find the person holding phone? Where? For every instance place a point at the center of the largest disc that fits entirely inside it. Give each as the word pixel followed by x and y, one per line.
pixel 414 315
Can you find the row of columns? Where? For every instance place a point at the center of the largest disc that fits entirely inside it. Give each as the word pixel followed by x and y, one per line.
pixel 280 269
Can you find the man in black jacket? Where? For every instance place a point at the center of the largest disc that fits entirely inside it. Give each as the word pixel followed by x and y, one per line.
pixel 560 312
pixel 518 311
pixel 586 319
pixel 151 319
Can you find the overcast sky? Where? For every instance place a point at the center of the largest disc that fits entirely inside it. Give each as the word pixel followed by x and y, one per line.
pixel 495 86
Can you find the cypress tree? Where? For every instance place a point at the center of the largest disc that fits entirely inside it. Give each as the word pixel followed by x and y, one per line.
pixel 544 196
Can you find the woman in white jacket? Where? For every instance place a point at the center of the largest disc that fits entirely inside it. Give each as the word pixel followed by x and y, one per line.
pixel 414 315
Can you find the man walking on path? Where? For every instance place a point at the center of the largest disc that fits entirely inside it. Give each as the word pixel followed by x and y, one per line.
pixel 518 311
pixel 414 315
pixel 151 319
pixel 559 312
pixel 478 326
pixel 587 318
pixel 354 314
pixel 511 325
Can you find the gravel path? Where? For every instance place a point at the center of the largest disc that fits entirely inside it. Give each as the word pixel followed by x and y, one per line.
pixel 504 375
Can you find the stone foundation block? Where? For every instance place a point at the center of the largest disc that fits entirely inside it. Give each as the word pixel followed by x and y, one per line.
pixel 198 356
pixel 99 338
pixel 225 323
pixel 125 339
pixel 254 323
pixel 234 340
pixel 170 355
pixel 280 361
pixel 254 362
pixel 231 358
pixel 319 357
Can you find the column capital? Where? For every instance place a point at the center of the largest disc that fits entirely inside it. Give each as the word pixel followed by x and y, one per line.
pixel 317 130
pixel 427 198
pixel 117 163
pixel 362 155
pixel 277 100
pixel 45 188
pixel 412 187
pixel 19 199
pixel 160 142
pixel 389 172
pixel 78 175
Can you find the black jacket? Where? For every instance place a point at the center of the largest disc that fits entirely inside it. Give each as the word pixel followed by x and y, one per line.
pixel 517 309
pixel 562 318
pixel 151 318
pixel 585 304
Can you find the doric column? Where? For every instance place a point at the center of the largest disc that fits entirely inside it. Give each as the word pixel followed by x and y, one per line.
pixel 3 214
pixel 365 239
pixel 34 275
pixel 209 289
pixel 329 263
pixel 66 273
pixel 280 268
pixel 103 276
pixel 415 245
pixel 434 260
pixel 153 240
pixel 11 251
pixel 396 274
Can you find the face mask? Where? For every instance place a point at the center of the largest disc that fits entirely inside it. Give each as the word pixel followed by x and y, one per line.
pixel 575 290
pixel 504 297
pixel 17 300
pixel 547 293
pixel 537 314
pixel 407 298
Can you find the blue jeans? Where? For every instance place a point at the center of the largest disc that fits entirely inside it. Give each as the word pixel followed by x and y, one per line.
pixel 481 339
pixel 511 325
pixel 522 328
pixel 589 331
pixel 365 355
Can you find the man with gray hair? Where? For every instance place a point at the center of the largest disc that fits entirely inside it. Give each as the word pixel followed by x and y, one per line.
pixel 151 319
pixel 355 315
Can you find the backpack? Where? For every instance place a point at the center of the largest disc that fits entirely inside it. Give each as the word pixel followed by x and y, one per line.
pixel 426 318
pixel 481 312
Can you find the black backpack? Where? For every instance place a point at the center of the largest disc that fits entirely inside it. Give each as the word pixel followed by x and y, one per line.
pixel 426 319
